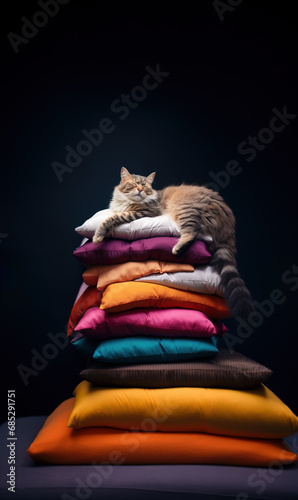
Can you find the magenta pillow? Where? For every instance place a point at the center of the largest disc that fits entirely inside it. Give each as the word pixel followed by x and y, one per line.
pixel 169 322
pixel 113 251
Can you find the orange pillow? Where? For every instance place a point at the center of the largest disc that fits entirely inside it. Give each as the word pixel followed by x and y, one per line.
pixel 130 294
pixel 90 297
pixel 58 444
pixel 102 276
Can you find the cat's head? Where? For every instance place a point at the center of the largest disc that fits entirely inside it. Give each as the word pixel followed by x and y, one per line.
pixel 136 188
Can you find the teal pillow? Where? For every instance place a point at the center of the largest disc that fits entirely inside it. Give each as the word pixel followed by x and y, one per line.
pixel 147 349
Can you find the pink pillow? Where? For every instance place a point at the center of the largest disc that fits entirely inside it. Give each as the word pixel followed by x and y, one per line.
pixel 169 322
pixel 113 251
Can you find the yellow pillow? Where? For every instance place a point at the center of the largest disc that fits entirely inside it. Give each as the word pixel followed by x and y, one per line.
pixel 102 276
pixel 247 413
pixel 130 294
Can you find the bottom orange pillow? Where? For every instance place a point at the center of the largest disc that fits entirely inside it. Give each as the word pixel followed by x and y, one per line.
pixel 56 443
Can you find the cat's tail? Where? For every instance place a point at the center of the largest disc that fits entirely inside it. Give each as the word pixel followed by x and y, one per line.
pixel 236 293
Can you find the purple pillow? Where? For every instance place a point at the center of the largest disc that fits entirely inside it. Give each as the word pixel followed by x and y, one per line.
pixel 171 322
pixel 113 251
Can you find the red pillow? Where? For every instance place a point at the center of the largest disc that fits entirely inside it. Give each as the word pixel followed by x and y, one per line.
pixel 90 297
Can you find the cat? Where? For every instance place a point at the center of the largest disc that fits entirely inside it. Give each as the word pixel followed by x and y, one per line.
pixel 198 212
pixel 132 199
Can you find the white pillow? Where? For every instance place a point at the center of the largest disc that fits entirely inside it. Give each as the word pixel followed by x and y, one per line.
pixel 146 227
pixel 202 280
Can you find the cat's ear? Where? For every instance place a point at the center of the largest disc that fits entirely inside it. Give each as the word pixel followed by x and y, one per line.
pixel 150 177
pixel 124 174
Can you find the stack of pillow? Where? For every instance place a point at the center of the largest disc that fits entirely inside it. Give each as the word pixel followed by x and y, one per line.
pixel 156 388
pixel 144 304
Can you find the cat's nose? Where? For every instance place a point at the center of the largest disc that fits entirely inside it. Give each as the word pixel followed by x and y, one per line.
pixel 140 189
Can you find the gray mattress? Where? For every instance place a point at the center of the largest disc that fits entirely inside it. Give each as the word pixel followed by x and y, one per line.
pixel 82 482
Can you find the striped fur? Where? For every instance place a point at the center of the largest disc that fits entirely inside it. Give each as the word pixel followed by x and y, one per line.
pixel 132 199
pixel 201 212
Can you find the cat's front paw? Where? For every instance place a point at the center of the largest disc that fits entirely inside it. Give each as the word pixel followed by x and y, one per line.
pixel 99 235
pixel 176 250
pixel 97 239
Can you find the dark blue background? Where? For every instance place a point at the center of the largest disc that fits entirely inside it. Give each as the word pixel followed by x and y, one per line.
pixel 225 78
